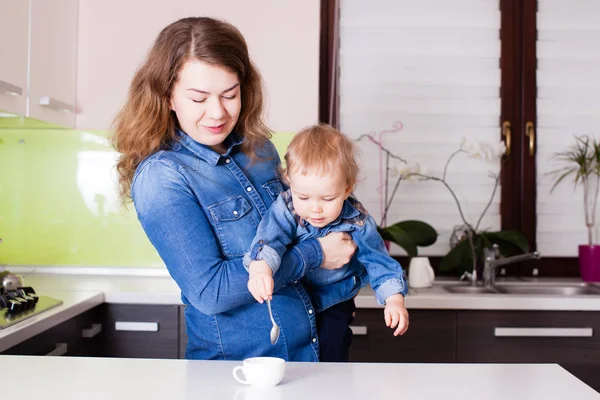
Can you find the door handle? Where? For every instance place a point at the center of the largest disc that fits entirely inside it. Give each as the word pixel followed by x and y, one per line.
pixel 530 133
pixel 507 134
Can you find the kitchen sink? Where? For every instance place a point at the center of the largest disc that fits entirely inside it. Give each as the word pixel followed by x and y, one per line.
pixel 553 290
pixel 468 289
pixel 527 289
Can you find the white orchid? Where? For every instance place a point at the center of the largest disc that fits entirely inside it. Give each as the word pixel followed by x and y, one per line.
pixel 482 150
pixel 408 172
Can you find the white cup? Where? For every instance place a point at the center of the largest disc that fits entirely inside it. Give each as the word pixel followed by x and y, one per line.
pixel 420 273
pixel 261 371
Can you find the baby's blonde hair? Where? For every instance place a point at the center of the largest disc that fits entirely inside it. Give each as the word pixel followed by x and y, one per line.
pixel 324 149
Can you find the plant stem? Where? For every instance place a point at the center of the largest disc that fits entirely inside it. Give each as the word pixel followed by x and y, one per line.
pixel 488 204
pixel 448 162
pixel 473 254
pixel 387 179
pixel 389 204
pixel 594 207
pixel 586 212
pixel 443 181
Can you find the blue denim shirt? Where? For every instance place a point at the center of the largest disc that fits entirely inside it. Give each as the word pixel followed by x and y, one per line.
pixel 200 210
pixel 371 262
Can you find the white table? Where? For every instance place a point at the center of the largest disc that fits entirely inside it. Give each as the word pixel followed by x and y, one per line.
pixel 67 378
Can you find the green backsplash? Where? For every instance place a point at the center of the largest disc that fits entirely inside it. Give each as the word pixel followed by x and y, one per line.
pixel 59 205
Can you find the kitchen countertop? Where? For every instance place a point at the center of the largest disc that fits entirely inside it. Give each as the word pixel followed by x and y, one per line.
pixel 81 289
pixel 74 303
pixel 104 378
pixel 155 286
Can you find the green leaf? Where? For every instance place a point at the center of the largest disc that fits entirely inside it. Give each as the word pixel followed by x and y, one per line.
pixel 459 256
pixel 399 236
pixel 421 233
pixel 512 241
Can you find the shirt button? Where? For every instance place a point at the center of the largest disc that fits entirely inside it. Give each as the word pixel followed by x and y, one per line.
pixel 314 340
pixel 235 212
pixel 227 161
pixel 310 311
pixel 248 189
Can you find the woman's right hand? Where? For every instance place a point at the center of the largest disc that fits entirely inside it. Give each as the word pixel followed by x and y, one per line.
pixel 338 248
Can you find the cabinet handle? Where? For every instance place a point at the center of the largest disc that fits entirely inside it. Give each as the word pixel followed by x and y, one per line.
pixel 136 326
pixel 358 330
pixel 11 89
pixel 543 332
pixel 60 349
pixel 91 332
pixel 57 105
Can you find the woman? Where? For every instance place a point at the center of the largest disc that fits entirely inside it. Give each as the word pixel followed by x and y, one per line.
pixel 197 162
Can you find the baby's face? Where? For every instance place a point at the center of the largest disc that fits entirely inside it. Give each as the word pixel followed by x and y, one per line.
pixel 318 198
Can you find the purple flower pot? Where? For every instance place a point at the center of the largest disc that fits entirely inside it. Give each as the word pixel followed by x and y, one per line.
pixel 589 263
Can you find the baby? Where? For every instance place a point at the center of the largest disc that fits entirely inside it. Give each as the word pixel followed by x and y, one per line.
pixel 321 172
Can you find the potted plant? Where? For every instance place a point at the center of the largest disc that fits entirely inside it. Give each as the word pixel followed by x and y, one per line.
pixel 582 161
pixel 409 234
pixel 469 240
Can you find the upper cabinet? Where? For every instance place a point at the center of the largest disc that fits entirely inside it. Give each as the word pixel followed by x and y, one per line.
pixel 53 61
pixel 38 46
pixel 13 53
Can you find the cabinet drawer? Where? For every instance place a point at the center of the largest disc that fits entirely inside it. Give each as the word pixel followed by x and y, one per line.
pixel 66 339
pixel 528 336
pixel 141 331
pixel 430 337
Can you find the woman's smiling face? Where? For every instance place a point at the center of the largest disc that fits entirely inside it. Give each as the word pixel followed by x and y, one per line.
pixel 207 101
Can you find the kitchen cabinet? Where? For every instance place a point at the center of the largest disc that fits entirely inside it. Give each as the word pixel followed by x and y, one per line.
pixel 53 61
pixel 13 50
pixel 141 331
pixel 183 339
pixel 79 336
pixel 39 42
pixel 430 337
pixel 569 338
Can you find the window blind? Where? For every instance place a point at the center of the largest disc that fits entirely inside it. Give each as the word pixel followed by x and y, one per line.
pixel 420 76
pixel 568 104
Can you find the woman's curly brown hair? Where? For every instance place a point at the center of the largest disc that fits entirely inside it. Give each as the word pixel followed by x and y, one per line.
pixel 146 123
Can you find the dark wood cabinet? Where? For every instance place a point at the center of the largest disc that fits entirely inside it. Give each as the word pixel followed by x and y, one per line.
pixel 183 339
pixel 430 337
pixel 142 331
pixel 79 336
pixel 569 338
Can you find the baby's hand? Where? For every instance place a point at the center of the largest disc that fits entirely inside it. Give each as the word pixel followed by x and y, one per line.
pixel 260 281
pixel 396 314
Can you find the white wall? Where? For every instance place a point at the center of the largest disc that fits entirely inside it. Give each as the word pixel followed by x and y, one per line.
pixel 283 37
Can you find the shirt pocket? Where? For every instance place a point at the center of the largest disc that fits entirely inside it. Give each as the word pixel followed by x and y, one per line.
pixel 273 188
pixel 234 224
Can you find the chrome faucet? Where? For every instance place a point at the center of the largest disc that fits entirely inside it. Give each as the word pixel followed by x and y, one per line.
pixel 492 262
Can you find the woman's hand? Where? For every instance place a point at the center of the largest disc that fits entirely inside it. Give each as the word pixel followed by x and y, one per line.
pixel 338 248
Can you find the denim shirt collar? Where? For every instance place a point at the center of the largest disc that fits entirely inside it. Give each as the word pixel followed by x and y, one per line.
pixel 206 153
pixel 349 212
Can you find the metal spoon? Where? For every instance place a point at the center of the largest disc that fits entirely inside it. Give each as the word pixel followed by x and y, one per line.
pixel 275 328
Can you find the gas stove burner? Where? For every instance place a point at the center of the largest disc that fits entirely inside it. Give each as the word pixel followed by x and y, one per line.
pixel 22 303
